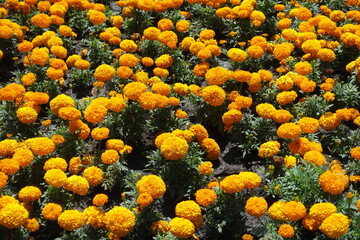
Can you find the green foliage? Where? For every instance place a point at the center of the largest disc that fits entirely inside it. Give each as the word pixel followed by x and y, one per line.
pixel 347 94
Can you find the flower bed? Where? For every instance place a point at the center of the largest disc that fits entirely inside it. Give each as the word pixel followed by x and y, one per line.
pixel 179 119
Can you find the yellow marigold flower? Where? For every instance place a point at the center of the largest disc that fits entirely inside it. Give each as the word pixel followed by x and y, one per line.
pixel 333 183
pixel 7 147
pixel 247 237
pixel 180 114
pixel 144 199
pixel 133 90
pixel 329 121
pixel 328 96
pixel 255 51
pixel 56 163
pixel 93 175
pixel 100 133
pixel 217 75
pixel 115 144
pixel 94 216
pixel 82 64
pixel 41 20
pixel 128 46
pixel 26 115
pixel 69 113
pixel 9 166
pixel 257 18
pixel 61 101
pixel 294 210
pixel 289 34
pixel 151 184
pixel 315 157
pixel 159 226
pixel 83 129
pixel 232 116
pixel 355 153
pixel 161 137
pixel 289 131
pixel 174 148
pixel 284 83
pixel 286 231
pixel 110 156
pixel 100 199
pixel 185 134
pixel 181 89
pixel 201 69
pixel 311 46
pixel 128 60
pixel 320 211
pixel 147 100
pixel 251 180
pixel 29 194
pixel 41 145
pixel 168 38
pixel 256 206
pixel 59 51
pixel 282 116
pixel 199 131
pixel 182 25
pixel 28 79
pixel 32 225
pixel 151 33
pixel 214 95
pixel 269 149
pixel 96 17
pixel 282 51
pixel 116 104
pixel 51 211
pixel 71 219
pixel 25 46
pixel 55 177
pixel 211 148
pixel 232 184
pixel 243 102
pixel 3 180
pixel 205 168
pixel 119 221
pixel 165 24
pixel 207 34
pixel 308 124
pixel 284 23
pixel 104 73
pixel 275 211
pixel 303 68
pixel 310 223
pixel 237 55
pixel 265 110
pixel 289 161
pixel 77 185
pixel 95 113
pixel 13 215
pixel 335 225
pixel 181 227
pixel 188 209
pixel 205 197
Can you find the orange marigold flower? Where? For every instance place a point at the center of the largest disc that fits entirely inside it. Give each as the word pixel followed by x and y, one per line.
pixel 232 184
pixel 286 231
pixel 71 219
pixel 232 116
pixel 288 130
pixel 282 51
pixel 269 149
pixel 315 157
pixel 294 210
pixel 26 115
pixel 29 194
pixel 51 211
pixel 237 55
pixel 256 206
pixel 181 227
pixel 214 95
pixel 265 110
pixel 110 156
pixel 41 145
pixel 41 20
pixel 329 121
pixel 205 197
pixel 93 175
pixel 199 131
pixel 217 75
pixel 55 177
pixel 188 209
pixel 77 185
pixel 13 215
pixel 133 90
pixel 308 124
pixel 355 153
pixel 335 225
pixel 104 73
pixel 100 133
pixel 96 17
pixel 100 199
pixel 320 211
pixel 206 168
pixel 174 148
pixel 333 183
pixel 151 184
pixel 144 199
pixel 211 148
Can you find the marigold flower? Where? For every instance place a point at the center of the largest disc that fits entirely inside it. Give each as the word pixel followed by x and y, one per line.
pixel 55 177
pixel 95 113
pixel 237 55
pixel 29 194
pixel 181 227
pixel 13 215
pixel 110 156
pixel 144 199
pixel 265 110
pixel 41 145
pixel 355 153
pixel 294 210
pixel 335 225
pixel 232 116
pixel 159 226
pixel 282 51
pixel 100 199
pixel 77 185
pixel 104 73
pixel 275 211
pixel 96 17
pixel 269 149
pixel 288 130
pixel 199 131
pixel 311 46
pixel 71 219
pixel 315 157
pixel 205 197
pixel 205 168
pixel 286 231
pixel 41 20
pixel 251 180
pixel 333 183
pixel 51 211
pixel 256 206
pixel 217 75
pixel 23 156
pixel 133 90
pixel 182 25
pixel 93 175
pixel 168 38
pixel 320 211
pixel 9 166
pixel 151 184
pixel 94 216
pixel 3 180
pixel 214 95
pixel 329 121
pixel 119 221
pixel 232 184
pixel 174 148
